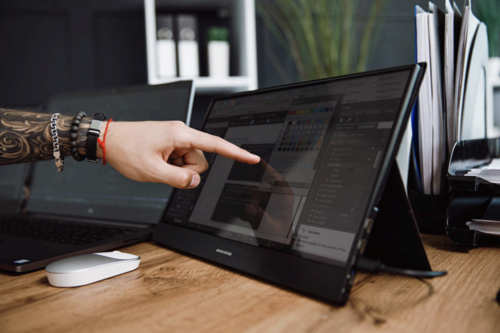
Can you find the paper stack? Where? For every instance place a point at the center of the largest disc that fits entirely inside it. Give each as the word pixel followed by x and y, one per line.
pixel 489 223
pixel 490 172
pixel 491 227
pixel 452 99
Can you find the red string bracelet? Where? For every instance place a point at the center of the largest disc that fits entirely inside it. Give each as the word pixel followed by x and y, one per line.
pixel 103 142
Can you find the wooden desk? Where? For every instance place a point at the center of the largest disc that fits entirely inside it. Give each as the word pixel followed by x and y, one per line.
pixel 170 292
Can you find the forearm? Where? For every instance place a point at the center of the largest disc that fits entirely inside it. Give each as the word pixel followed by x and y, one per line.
pixel 166 152
pixel 25 136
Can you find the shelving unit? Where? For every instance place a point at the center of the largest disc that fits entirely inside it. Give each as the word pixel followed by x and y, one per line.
pixel 242 26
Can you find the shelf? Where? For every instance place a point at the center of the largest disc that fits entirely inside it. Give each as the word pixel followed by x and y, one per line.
pixel 208 85
pixel 244 50
pixel 189 4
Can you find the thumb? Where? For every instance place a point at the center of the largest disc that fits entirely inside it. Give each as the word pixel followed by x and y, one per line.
pixel 176 176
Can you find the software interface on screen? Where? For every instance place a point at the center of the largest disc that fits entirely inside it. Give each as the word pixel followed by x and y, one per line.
pixel 321 147
pixel 94 190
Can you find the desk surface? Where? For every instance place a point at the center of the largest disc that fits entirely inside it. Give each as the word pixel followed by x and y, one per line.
pixel 171 292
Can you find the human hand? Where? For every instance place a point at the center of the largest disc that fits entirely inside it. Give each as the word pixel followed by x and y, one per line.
pixel 166 152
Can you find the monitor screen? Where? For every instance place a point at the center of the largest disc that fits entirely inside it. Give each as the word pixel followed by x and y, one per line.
pixel 295 218
pixel 321 148
pixel 88 190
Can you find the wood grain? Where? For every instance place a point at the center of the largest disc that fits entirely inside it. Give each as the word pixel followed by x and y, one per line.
pixel 171 292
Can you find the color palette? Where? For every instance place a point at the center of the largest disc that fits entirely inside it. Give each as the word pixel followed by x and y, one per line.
pixel 302 135
pixel 308 111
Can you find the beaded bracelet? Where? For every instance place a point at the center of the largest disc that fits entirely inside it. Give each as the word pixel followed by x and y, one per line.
pixel 73 135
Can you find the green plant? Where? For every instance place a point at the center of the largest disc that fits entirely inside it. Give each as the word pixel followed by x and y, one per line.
pixel 324 36
pixel 217 34
pixel 488 11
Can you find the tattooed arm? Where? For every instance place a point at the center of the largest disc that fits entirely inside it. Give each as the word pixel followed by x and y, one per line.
pixel 166 152
pixel 25 136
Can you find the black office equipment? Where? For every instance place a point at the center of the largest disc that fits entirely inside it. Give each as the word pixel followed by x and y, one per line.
pixel 474 196
pixel 327 179
pixel 88 207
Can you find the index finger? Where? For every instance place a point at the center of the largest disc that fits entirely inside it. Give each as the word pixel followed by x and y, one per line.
pixel 214 144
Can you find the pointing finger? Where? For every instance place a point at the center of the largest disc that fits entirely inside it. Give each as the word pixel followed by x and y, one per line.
pixel 214 144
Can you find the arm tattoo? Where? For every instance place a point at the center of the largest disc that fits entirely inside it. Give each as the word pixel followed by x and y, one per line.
pixel 25 136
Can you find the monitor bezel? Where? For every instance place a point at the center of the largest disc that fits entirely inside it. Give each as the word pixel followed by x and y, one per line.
pixel 319 280
pixel 129 89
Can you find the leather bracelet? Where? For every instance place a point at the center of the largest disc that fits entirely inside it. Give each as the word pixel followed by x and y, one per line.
pixel 73 135
pixel 93 135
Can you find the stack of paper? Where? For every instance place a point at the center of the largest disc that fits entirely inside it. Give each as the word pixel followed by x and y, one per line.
pixel 491 227
pixel 489 222
pixel 451 101
pixel 490 172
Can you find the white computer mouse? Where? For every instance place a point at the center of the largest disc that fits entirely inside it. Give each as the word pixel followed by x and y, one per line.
pixel 89 268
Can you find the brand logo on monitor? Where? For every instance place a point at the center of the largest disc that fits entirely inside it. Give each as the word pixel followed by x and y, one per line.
pixel 227 253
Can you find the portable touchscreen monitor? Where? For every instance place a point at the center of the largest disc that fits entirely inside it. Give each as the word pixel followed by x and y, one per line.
pixel 302 216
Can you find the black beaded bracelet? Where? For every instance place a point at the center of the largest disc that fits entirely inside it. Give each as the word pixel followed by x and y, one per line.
pixel 73 135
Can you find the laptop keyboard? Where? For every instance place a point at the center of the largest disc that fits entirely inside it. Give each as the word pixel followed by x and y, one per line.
pixel 61 232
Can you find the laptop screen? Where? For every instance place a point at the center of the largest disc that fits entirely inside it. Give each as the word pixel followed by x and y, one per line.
pixel 11 188
pixel 321 146
pixel 92 190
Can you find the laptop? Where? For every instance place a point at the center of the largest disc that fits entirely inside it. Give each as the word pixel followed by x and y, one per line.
pixel 87 207
pixel 12 177
pixel 301 217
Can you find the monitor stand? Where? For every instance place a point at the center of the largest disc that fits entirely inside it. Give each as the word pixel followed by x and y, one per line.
pixel 395 239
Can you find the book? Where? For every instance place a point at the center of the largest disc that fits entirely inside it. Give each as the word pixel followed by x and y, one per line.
pixel 469 123
pixel 436 44
pixel 473 108
pixel 424 101
pixel 453 22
